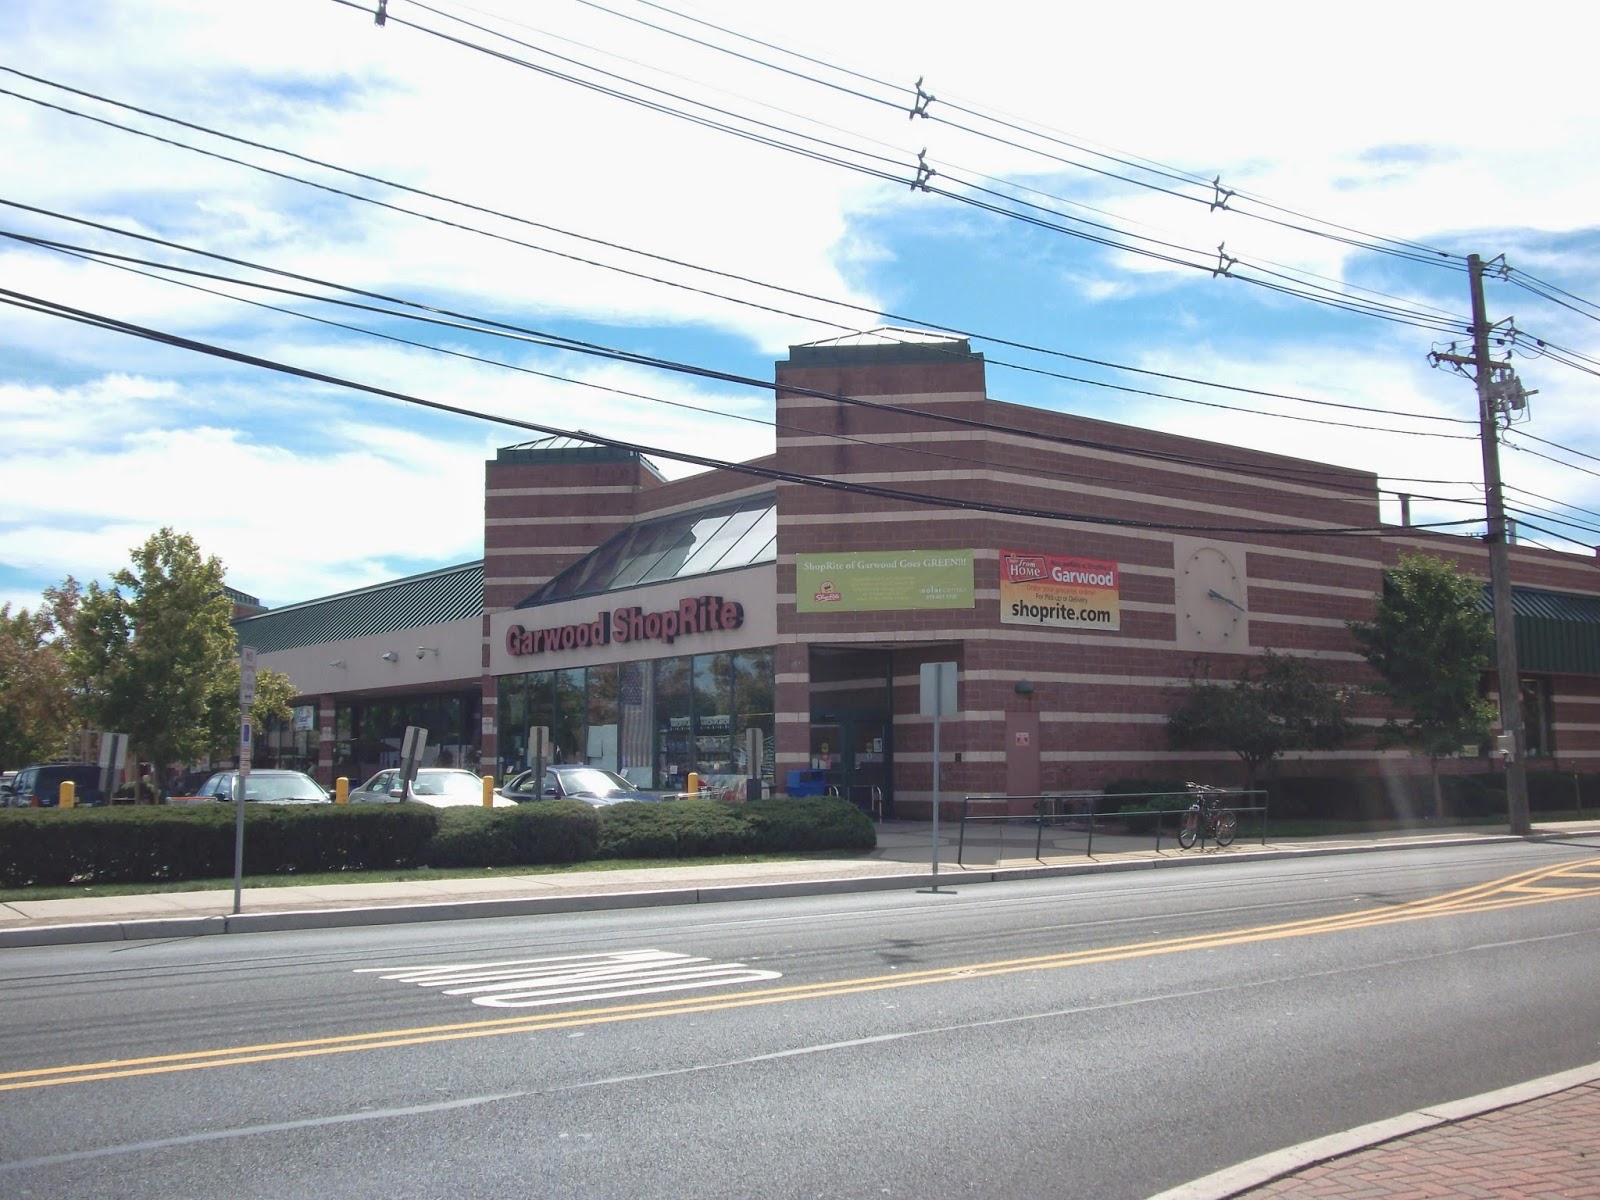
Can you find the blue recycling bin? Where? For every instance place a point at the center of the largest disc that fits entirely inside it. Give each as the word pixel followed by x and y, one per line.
pixel 807 783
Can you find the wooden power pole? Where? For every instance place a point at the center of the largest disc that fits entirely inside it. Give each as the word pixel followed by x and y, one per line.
pixel 1498 391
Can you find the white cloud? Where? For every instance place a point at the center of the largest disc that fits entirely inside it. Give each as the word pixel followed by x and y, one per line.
pixel 303 488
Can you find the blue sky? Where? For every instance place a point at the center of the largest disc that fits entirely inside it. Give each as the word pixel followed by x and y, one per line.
pixel 1334 133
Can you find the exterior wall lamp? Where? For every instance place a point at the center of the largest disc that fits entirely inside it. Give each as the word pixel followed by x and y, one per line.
pixel 338 662
pixel 1023 688
pixel 390 656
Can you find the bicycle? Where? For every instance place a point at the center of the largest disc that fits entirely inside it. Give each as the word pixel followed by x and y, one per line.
pixel 1207 818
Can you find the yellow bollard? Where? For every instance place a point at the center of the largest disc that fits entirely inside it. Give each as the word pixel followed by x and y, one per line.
pixel 488 791
pixel 693 784
pixel 68 796
pixel 341 790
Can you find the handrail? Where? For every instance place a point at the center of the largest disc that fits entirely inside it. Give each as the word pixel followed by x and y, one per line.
pixel 1047 812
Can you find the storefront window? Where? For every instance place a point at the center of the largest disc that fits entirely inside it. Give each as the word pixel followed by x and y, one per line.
pixel 637 722
pixel 569 709
pixel 674 748
pixel 1536 717
pixel 653 722
pixel 369 733
pixel 601 735
pixel 753 706
pixel 713 714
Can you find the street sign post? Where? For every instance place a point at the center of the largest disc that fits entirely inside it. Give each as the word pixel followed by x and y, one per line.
pixel 938 698
pixel 247 697
pixel 412 745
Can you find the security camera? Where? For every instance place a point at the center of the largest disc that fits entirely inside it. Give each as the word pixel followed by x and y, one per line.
pixel 421 650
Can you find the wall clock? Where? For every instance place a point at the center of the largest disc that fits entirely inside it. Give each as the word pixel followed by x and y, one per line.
pixel 1211 600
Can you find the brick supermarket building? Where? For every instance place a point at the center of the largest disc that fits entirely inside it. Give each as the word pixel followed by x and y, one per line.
pixel 1076 572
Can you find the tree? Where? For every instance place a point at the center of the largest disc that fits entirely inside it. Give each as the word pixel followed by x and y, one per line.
pixel 155 654
pixel 1275 704
pixel 35 700
pixel 1429 643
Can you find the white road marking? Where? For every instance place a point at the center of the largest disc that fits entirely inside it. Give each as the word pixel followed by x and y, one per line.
pixel 573 978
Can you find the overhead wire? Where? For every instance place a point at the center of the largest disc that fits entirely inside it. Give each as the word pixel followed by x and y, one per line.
pixel 769 140
pixel 754 468
pixel 1405 247
pixel 877 314
pixel 449 318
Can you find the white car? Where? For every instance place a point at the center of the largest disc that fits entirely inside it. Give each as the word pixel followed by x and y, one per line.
pixel 440 787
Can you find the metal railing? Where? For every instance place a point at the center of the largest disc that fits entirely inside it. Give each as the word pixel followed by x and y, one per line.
pixel 1078 811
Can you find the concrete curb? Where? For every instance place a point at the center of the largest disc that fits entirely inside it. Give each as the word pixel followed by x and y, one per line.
pixel 1258 1172
pixel 891 880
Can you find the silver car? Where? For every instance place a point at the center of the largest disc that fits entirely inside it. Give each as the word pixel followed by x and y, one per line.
pixel 439 787
pixel 267 786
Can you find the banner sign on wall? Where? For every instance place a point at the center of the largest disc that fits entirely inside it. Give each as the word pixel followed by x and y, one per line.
pixel 883 581
pixel 1059 592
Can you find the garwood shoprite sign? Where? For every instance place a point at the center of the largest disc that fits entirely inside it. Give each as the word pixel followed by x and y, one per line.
pixel 693 615
pixel 1057 591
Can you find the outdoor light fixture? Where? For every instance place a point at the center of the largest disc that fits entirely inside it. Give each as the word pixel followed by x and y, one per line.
pixel 433 650
pixel 1023 688
pixel 338 662
pixel 390 656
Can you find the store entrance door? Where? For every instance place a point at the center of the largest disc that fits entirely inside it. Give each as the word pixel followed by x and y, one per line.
pixel 855 751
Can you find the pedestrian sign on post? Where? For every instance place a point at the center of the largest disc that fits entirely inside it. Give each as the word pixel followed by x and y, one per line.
pixel 247 676
pixel 411 748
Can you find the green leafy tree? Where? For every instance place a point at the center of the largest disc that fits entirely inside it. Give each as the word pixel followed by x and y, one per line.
pixel 155 655
pixel 1275 704
pixel 35 699
pixel 1429 643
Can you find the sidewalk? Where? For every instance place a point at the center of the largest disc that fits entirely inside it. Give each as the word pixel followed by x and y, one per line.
pixel 903 859
pixel 1536 1140
pixel 1533 1141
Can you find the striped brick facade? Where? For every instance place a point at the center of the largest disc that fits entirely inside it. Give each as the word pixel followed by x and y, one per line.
pixel 1092 706
pixel 1040 709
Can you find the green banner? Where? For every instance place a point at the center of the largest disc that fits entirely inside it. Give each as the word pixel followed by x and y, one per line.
pixel 883 581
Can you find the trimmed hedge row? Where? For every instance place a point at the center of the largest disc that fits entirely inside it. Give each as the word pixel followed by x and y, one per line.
pixel 49 847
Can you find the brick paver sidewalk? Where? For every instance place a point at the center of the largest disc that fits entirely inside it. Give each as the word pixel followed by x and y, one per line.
pixel 1544 1149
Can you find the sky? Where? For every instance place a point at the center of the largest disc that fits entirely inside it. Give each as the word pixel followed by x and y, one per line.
pixel 564 188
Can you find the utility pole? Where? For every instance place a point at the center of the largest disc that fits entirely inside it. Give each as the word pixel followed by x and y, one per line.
pixel 1495 394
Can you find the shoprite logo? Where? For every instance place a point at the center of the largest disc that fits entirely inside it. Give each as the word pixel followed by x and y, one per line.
pixel 694 615
pixel 827 593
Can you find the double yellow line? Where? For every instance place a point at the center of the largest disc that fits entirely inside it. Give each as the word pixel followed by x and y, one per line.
pixel 1540 886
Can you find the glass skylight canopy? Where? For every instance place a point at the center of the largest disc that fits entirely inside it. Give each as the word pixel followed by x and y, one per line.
pixel 722 537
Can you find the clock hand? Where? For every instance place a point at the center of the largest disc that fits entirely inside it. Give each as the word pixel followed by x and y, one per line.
pixel 1216 595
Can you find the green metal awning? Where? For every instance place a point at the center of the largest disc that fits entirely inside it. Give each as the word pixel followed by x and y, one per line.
pixel 409 603
pixel 1557 632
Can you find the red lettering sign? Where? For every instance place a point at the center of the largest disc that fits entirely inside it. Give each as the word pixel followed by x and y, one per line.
pixel 693 615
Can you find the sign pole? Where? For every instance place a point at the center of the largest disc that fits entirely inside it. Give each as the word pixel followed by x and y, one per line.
pixel 938 697
pixel 247 697
pixel 936 716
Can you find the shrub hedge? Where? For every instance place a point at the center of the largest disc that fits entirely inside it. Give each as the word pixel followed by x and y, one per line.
pixel 175 842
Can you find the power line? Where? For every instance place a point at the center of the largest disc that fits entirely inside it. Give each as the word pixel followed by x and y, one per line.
pixel 877 314
pixel 431 314
pixel 756 469
pixel 919 183
pixel 1379 243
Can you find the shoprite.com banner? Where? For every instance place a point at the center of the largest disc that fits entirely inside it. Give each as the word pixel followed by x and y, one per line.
pixel 883 581
pixel 1063 593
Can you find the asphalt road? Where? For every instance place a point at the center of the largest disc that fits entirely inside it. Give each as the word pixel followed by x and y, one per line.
pixel 1095 1036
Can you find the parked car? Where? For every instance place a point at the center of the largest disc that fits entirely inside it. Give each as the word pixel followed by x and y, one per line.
pixel 267 786
pixel 592 785
pixel 439 787
pixel 40 786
